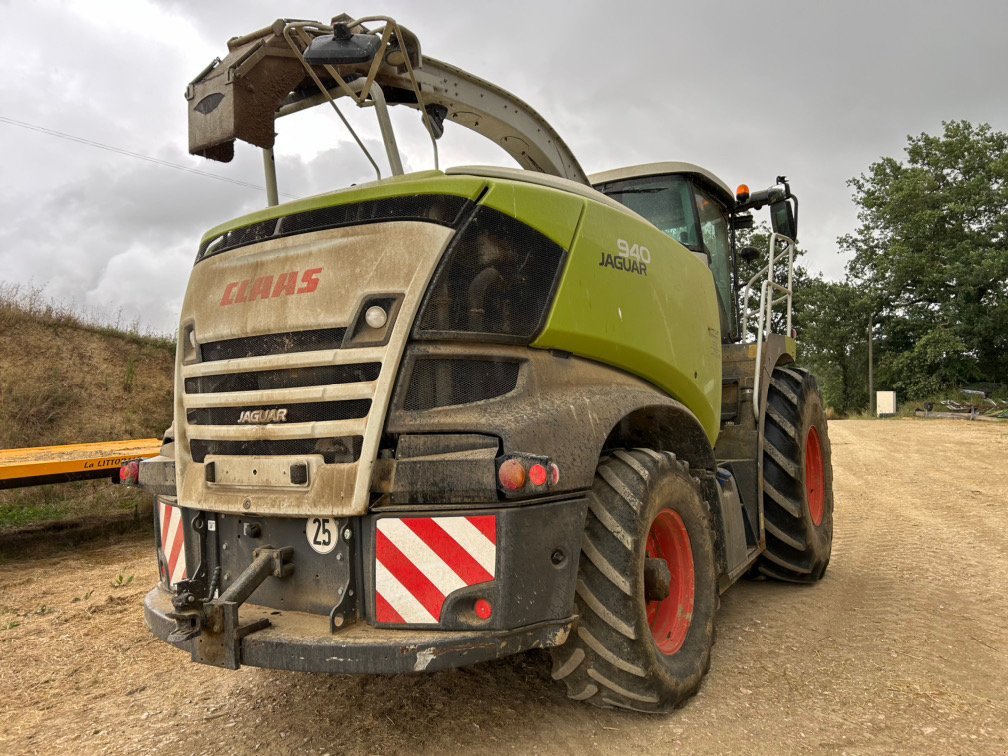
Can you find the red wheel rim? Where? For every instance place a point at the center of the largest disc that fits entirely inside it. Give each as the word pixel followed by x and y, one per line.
pixel 670 617
pixel 815 487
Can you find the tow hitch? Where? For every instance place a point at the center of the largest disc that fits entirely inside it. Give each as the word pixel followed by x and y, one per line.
pixel 213 623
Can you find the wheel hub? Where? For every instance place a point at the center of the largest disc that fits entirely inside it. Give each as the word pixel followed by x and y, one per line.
pixel 657 579
pixel 815 488
pixel 669 613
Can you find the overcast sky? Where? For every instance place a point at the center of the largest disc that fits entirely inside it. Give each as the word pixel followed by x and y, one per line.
pixel 750 90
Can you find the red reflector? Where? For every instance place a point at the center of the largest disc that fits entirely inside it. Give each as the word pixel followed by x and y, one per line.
pixel 537 474
pixel 554 474
pixel 483 609
pixel 512 475
pixel 130 472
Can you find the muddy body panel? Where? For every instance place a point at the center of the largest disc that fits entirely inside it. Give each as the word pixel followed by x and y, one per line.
pixel 362 594
pixel 353 371
pixel 283 390
pixel 303 642
pixel 251 309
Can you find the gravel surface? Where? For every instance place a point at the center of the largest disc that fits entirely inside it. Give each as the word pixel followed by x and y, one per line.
pixel 903 647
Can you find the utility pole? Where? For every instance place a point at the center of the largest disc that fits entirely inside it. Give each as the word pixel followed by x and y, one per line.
pixel 871 375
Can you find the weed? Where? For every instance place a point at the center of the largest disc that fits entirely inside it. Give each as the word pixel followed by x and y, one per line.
pixel 23 507
pixel 33 408
pixel 130 373
pixel 19 303
pixel 122 582
pixel 85 597
pixel 44 610
pixel 10 625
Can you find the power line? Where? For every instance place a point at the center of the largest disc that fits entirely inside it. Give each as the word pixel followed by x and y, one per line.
pixel 137 155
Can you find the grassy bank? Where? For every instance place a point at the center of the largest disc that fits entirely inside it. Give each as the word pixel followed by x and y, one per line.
pixel 67 378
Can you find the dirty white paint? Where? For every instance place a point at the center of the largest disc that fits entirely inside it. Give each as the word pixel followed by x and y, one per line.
pixel 423 659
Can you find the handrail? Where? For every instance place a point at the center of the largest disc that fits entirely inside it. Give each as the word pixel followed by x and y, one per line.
pixel 779 243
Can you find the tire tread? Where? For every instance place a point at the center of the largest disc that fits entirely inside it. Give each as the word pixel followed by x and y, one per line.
pixel 794 551
pixel 611 666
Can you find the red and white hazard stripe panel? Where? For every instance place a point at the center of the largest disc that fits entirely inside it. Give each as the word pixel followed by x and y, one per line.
pixel 420 560
pixel 172 540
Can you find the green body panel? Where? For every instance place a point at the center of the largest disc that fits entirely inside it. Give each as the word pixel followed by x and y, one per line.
pixel 553 213
pixel 659 322
pixel 791 347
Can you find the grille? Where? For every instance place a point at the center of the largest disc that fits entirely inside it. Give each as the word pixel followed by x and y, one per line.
pixel 333 450
pixel 238 238
pixel 436 382
pixel 496 279
pixel 443 209
pixel 264 380
pixel 272 412
pixel 305 412
pixel 273 343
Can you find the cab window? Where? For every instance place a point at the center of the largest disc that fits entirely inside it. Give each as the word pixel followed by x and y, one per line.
pixel 666 201
pixel 717 244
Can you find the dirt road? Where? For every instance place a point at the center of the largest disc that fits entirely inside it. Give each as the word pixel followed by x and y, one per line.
pixel 903 647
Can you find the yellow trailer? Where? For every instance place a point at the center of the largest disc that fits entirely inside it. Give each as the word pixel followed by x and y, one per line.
pixel 58 464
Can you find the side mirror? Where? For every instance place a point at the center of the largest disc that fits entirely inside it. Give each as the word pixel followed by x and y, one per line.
pixel 783 219
pixel 342 47
pixel 749 254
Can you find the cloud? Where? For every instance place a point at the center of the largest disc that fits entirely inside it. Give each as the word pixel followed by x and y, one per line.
pixel 811 90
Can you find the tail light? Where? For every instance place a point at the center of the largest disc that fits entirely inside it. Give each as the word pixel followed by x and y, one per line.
pixel 525 474
pixel 129 472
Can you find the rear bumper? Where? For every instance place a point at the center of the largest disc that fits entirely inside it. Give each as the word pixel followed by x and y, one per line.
pixel 303 642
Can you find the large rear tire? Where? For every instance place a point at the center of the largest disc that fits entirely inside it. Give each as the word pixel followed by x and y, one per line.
pixel 632 647
pixel 798 480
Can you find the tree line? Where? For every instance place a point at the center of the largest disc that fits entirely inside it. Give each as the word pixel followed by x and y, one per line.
pixel 928 274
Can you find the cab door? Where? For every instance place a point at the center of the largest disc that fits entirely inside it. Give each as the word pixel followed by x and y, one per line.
pixel 715 237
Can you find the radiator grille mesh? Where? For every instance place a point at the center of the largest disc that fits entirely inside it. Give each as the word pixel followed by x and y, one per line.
pixel 443 209
pixel 440 382
pixel 273 343
pixel 496 280
pixel 333 450
pixel 304 412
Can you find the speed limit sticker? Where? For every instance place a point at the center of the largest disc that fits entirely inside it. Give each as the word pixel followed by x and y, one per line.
pixel 322 534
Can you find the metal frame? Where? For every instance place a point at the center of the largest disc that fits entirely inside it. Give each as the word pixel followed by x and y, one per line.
pixel 771 293
pixel 419 82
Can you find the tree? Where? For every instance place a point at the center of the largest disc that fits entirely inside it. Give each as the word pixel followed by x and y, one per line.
pixel 832 318
pixel 930 257
pixel 829 318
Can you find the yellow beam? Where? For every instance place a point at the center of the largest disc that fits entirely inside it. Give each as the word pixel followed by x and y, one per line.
pixel 73 459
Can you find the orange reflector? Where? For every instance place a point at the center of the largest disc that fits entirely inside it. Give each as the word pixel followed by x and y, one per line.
pixel 742 193
pixel 512 475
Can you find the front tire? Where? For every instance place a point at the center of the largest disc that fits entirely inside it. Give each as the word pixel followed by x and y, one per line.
pixel 798 480
pixel 632 648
